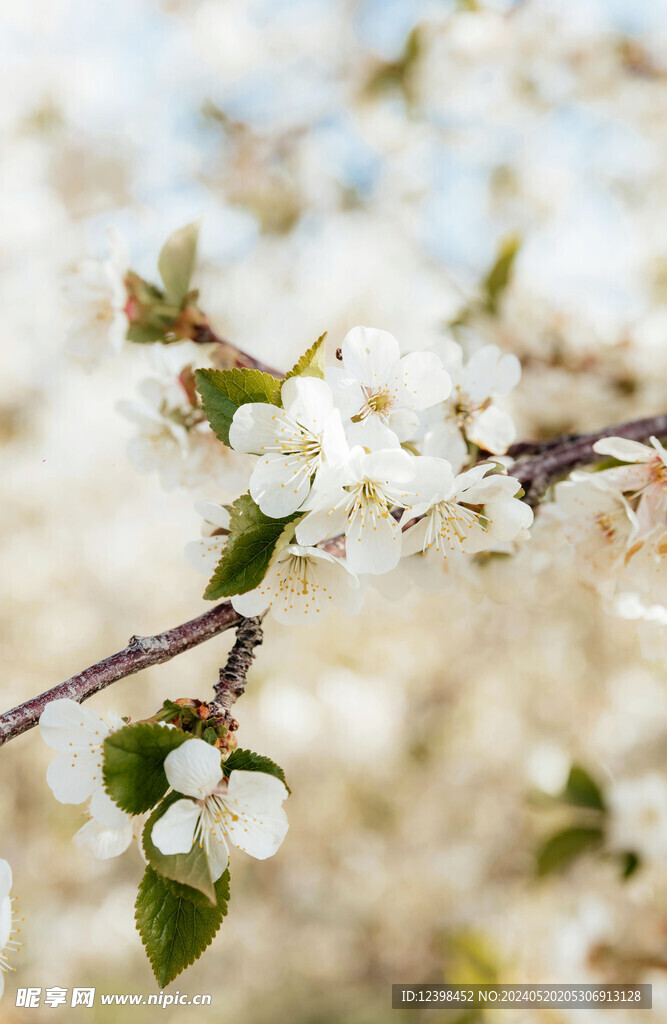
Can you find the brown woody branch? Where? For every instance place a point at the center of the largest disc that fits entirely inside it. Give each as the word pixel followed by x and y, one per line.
pixel 540 463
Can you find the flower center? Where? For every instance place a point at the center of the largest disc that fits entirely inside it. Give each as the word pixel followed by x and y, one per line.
pixel 378 402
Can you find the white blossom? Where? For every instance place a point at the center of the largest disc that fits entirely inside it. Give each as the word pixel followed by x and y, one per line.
pixel 467 513
pixel 204 554
pixel 96 291
pixel 471 412
pixel 110 830
pixel 7 923
pixel 78 734
pixel 599 523
pixel 357 499
pixel 638 816
pixel 292 443
pixel 645 478
pixel 243 811
pixel 302 584
pixel 379 392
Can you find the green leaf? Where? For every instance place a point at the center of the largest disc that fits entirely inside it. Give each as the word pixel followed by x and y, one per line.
pixel 500 274
pixel 144 334
pixel 174 930
pixel 189 872
pixel 311 363
pixel 561 849
pixel 133 769
pixel 248 761
pixel 224 391
pixel 582 791
pixel 253 539
pixel 176 262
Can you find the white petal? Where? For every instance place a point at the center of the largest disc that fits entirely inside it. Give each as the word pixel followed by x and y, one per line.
pixel 507 375
pixel 194 768
pixel 623 449
pixel 446 441
pixel 102 842
pixel 373 433
pixel 65 725
pixel 106 812
pixel 5 880
pixel 204 554
pixel 307 400
pixel 216 851
pixel 373 543
pixel 480 372
pixel 321 523
pixel 395 467
pixel 493 430
pixel 174 832
pixel 74 777
pixel 258 427
pixel 334 445
pixel 262 823
pixel 369 354
pixel 507 519
pixel 252 603
pixel 404 423
pixel 422 380
pixel 213 513
pixel 433 479
pixel 280 484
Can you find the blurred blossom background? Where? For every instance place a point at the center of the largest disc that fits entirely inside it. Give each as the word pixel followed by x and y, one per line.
pixel 358 161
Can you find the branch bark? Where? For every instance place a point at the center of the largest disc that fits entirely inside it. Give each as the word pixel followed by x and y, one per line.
pixel 540 463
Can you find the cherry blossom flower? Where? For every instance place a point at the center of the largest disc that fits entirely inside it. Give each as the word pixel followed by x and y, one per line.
pixel 301 585
pixel 379 392
pixel 7 923
pixel 599 523
pixel 204 554
pixel 292 442
pixel 468 513
pixel 644 478
pixel 110 830
pixel 470 414
pixel 78 734
pixel 96 291
pixel 357 498
pixel 243 811
pixel 638 816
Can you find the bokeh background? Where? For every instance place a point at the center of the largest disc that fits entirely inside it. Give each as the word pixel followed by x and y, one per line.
pixel 352 162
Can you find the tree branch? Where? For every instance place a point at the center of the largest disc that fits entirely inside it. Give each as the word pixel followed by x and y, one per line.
pixel 140 653
pixel 232 680
pixel 540 463
pixel 537 465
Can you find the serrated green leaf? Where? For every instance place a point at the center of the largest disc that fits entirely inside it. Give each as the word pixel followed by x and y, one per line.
pixel 252 542
pixel 189 872
pixel 561 849
pixel 224 391
pixel 582 790
pixel 176 262
pixel 500 274
pixel 133 768
pixel 248 761
pixel 174 930
pixel 311 363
